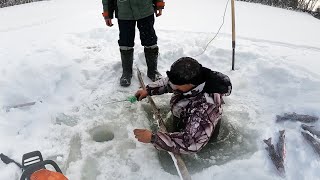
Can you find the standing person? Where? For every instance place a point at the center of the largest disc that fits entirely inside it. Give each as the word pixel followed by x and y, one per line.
pixel 130 13
pixel 195 106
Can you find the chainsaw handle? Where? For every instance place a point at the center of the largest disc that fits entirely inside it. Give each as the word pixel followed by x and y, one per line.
pixel 35 167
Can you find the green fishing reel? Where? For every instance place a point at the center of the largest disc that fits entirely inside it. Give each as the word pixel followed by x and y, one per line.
pixel 132 99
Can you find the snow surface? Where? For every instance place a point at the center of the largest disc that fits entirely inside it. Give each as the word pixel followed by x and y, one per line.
pixel 60 54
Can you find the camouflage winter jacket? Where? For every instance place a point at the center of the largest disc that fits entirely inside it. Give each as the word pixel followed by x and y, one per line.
pixel 199 110
pixel 130 9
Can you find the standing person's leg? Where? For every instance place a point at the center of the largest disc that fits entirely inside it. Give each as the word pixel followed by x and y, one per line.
pixel 126 43
pixel 149 41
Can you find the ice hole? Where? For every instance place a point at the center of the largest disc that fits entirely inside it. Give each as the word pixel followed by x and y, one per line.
pixel 101 134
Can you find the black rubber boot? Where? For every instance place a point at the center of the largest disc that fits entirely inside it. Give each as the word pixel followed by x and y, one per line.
pixel 151 55
pixel 127 61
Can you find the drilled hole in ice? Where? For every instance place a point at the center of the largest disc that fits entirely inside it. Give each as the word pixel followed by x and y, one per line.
pixel 101 134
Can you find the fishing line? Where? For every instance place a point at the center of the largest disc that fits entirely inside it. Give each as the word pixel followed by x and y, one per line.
pixel 131 99
pixel 224 14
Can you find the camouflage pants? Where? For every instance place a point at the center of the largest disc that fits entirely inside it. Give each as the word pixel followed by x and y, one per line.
pixel 174 124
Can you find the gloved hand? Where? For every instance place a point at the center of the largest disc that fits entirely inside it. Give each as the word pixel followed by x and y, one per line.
pixel 108 22
pixel 141 94
pixel 158 12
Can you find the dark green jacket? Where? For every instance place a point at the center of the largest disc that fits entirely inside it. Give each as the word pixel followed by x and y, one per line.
pixel 130 9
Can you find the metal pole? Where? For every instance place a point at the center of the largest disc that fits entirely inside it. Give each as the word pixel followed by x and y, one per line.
pixel 233 33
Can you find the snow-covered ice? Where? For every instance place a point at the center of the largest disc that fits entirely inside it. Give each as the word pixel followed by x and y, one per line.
pixel 61 53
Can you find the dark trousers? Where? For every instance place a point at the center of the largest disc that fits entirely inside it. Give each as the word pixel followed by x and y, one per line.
pixel 127 29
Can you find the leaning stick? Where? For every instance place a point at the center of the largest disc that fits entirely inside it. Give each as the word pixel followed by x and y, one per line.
pixel 178 162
